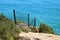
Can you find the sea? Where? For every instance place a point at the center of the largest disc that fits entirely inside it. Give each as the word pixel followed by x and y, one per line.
pixel 45 11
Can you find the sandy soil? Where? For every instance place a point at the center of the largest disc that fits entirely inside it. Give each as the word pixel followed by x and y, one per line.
pixel 38 36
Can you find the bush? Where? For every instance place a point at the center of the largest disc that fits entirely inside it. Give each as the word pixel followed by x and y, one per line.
pixel 45 29
pixel 33 29
pixel 5 28
pixel 8 30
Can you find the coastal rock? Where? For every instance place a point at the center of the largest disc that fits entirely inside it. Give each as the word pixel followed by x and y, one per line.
pixel 37 36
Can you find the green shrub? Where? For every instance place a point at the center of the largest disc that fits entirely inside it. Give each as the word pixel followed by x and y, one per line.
pixel 33 29
pixel 45 29
pixel 6 28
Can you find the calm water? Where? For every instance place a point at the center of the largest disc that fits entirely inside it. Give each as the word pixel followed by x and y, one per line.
pixel 47 11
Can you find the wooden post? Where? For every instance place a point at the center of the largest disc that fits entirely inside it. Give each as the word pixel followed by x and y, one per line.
pixel 14 16
pixel 28 20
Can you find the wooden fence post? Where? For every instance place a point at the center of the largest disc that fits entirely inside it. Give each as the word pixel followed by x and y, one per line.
pixel 14 16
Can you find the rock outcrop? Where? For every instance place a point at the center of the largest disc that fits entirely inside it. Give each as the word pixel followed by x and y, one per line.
pixel 38 36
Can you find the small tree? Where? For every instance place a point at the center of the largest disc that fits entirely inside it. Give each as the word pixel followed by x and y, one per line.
pixel 45 29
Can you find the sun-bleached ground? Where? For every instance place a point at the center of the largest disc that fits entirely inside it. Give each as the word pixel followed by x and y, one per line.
pixel 38 36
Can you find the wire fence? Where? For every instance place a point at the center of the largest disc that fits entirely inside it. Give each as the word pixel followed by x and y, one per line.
pixel 27 19
pixel 24 17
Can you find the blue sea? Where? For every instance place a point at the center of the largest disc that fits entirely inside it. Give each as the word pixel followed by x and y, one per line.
pixel 46 11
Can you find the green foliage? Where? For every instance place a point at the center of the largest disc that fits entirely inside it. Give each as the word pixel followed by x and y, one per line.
pixel 2 17
pixel 45 29
pixel 7 29
pixel 21 21
pixel 33 29
pixel 24 30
